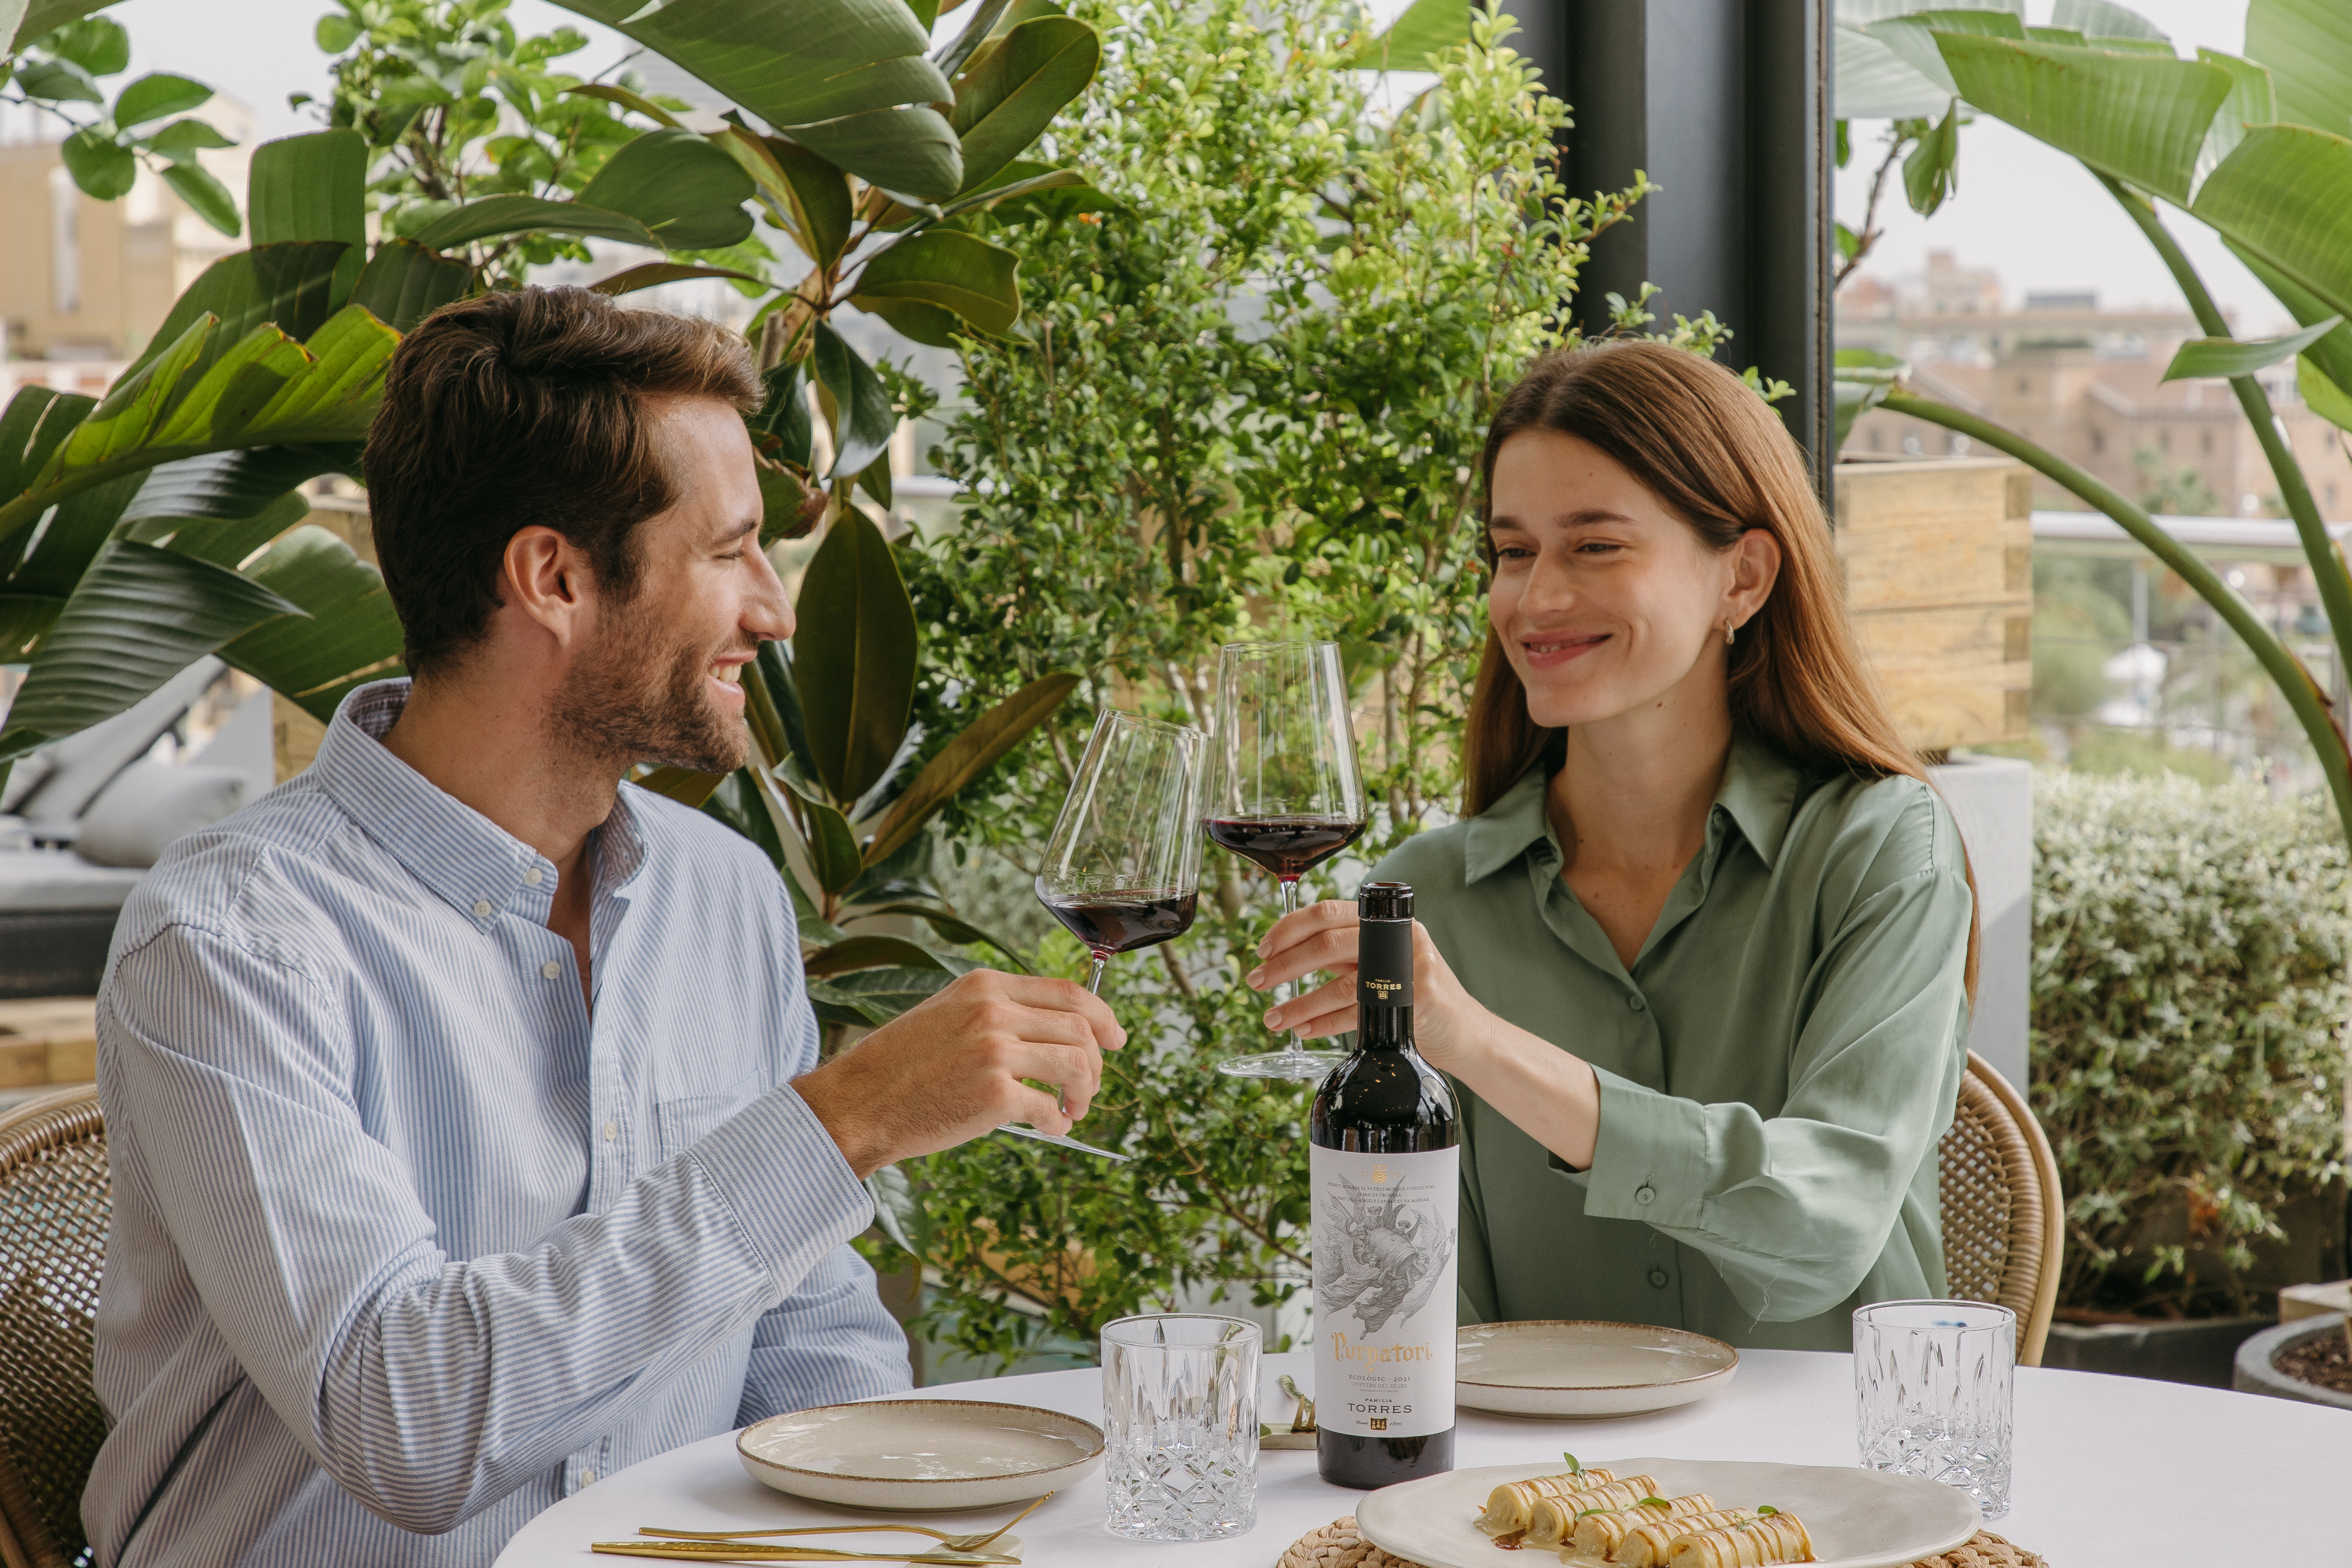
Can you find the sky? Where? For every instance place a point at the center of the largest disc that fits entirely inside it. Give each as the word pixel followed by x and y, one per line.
pixel 2021 208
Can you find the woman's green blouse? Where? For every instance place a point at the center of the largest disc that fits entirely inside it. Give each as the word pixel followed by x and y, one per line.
pixel 1775 1071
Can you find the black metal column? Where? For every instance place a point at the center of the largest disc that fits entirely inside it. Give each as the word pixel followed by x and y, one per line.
pixel 1725 105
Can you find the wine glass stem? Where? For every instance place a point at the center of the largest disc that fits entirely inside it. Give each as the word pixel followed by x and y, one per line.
pixel 1094 976
pixel 1295 1046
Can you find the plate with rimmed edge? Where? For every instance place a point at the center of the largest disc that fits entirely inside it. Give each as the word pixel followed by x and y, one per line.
pixel 1579 1369
pixel 920 1456
pixel 1857 1518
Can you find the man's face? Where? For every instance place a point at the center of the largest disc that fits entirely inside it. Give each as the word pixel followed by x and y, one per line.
pixel 662 682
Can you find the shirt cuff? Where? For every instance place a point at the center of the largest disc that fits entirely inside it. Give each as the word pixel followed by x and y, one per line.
pixel 784 1175
pixel 1649 1160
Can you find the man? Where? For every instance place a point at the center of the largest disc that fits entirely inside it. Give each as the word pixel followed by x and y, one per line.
pixel 470 1140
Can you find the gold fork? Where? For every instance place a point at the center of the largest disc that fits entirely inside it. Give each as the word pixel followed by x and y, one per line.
pixel 947 1542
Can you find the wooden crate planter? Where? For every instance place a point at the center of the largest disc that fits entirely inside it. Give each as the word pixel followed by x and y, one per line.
pixel 48 1040
pixel 1937 555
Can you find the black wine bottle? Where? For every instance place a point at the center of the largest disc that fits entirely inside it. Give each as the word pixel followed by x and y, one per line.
pixel 1385 1170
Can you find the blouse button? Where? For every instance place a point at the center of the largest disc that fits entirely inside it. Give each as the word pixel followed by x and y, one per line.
pixel 1657 1276
pixel 1635 1003
pixel 1645 1193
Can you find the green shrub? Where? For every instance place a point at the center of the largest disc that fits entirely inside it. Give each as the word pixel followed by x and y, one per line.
pixel 2188 998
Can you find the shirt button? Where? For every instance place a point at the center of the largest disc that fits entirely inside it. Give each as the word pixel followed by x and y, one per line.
pixel 482 909
pixel 1635 1003
pixel 550 969
pixel 612 1131
pixel 1657 1276
pixel 531 878
pixel 587 1478
pixel 1645 1193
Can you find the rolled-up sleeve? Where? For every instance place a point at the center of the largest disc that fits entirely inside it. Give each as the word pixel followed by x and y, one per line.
pixel 1794 1209
pixel 424 1385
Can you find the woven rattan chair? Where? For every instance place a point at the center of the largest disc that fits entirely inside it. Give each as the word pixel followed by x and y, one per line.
pixel 54 1210
pixel 2004 1216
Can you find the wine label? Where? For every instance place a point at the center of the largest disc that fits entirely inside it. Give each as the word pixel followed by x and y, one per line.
pixel 1384 1234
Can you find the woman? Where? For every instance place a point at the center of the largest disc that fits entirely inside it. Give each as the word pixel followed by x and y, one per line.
pixel 1703 949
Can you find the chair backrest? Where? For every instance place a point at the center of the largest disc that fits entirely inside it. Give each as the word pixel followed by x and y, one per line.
pixel 55 1206
pixel 2004 1216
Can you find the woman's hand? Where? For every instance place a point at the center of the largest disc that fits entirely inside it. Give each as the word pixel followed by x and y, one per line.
pixel 1448 1022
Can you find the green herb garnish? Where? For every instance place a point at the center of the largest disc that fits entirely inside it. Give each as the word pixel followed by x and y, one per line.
pixel 1574 1468
pixel 1765 1508
pixel 1655 1503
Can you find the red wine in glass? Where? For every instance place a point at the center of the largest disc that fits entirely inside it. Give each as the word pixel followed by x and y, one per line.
pixel 1289 846
pixel 1123 921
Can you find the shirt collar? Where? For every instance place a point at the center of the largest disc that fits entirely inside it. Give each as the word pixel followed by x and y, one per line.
pixel 465 857
pixel 1759 793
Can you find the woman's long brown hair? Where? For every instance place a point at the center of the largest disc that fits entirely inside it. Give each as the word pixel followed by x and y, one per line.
pixel 1714 454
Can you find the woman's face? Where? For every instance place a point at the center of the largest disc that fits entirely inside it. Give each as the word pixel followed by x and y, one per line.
pixel 1605 601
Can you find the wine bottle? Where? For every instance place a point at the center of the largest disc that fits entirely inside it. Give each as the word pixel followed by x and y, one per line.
pixel 1385 1170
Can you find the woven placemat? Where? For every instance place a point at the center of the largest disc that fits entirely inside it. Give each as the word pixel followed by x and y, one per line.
pixel 1340 1545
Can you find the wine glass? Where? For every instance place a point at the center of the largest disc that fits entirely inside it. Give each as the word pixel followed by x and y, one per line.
pixel 1122 870
pixel 1282 787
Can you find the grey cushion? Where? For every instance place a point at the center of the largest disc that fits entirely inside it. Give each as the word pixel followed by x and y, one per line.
pixel 149 805
pixel 29 771
pixel 57 882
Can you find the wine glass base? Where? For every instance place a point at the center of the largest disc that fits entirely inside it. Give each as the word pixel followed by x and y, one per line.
pixel 1301 1067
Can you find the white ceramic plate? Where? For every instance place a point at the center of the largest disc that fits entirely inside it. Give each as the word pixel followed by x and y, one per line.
pixel 1857 1518
pixel 920 1455
pixel 1583 1369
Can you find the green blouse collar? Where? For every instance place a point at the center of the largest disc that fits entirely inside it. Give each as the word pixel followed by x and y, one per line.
pixel 1758 795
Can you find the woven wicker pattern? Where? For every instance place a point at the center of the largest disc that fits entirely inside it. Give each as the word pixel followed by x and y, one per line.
pixel 1338 1544
pixel 1998 1190
pixel 54 1210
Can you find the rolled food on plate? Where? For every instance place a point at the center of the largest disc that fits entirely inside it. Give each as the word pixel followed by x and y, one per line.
pixel 1508 1505
pixel 1599 1534
pixel 1773 1537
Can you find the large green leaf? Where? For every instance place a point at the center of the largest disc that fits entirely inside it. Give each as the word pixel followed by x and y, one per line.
pixel 1873 82
pixel 974 750
pixel 104 171
pixel 403 283
pixel 909 152
pixel 832 847
pixel 1427 28
pixel 854 656
pixel 899 1209
pixel 40 16
pixel 1913 38
pixel 1861 380
pixel 784 415
pixel 1931 172
pixel 689 193
pixel 2307 45
pixel 817 193
pixel 351 634
pixel 139 616
pixel 238 484
pixel 949 268
pixel 773 686
pixel 878 995
pixel 1012 88
pixel 2323 397
pixel 2284 198
pixel 99 45
pixel 313 188
pixel 2137 117
pixel 866 418
pixel 855 953
pixel 789 61
pixel 731 798
pixel 2331 356
pixel 494 216
pixel 290 284
pixel 158 95
pixel 57 81
pixel 57 554
pixel 654 274
pixel 37 422
pixel 223 540
pixel 2103 19
pixel 947 923
pixel 2250 103
pixel 2222 357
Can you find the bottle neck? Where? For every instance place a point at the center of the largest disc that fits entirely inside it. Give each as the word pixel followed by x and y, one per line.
pixel 1384 1028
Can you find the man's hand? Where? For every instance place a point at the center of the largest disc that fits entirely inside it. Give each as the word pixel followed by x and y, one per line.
pixel 948 1069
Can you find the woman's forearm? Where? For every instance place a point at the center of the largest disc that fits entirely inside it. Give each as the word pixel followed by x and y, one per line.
pixel 1549 1095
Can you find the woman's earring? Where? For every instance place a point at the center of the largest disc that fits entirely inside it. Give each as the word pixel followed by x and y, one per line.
pixel 1727 631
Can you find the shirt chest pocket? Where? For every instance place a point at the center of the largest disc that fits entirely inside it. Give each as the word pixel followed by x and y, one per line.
pixel 686 1119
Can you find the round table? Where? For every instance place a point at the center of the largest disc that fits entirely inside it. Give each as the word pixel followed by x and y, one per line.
pixel 2109 1470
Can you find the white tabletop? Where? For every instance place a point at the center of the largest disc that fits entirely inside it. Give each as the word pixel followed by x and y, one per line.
pixel 2109 1470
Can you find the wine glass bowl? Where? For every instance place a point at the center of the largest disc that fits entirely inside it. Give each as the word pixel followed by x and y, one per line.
pixel 1283 790
pixel 1122 870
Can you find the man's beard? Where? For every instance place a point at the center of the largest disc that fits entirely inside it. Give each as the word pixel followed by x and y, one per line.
pixel 631 701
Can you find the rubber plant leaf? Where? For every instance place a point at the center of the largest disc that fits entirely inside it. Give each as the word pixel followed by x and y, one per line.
pixel 899 1211
pixel 313 188
pixel 688 193
pixel 2139 118
pixel 946 268
pixel 853 656
pixel 881 994
pixel 654 274
pixel 138 618
pixel 494 216
pixel 815 190
pixel 1016 87
pixel 912 151
pixel 866 418
pixel 351 635
pixel 975 749
pixel 854 952
pixel 832 847
pixel 2222 357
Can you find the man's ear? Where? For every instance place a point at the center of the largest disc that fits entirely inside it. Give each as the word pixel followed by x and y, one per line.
pixel 545 578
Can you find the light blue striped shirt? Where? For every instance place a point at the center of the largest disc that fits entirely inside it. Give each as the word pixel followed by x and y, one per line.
pixel 407 1245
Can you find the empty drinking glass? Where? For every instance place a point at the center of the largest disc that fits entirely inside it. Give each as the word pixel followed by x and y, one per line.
pixel 1932 1393
pixel 1180 1426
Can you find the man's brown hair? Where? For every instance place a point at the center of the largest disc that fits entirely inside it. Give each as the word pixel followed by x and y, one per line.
pixel 526 409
